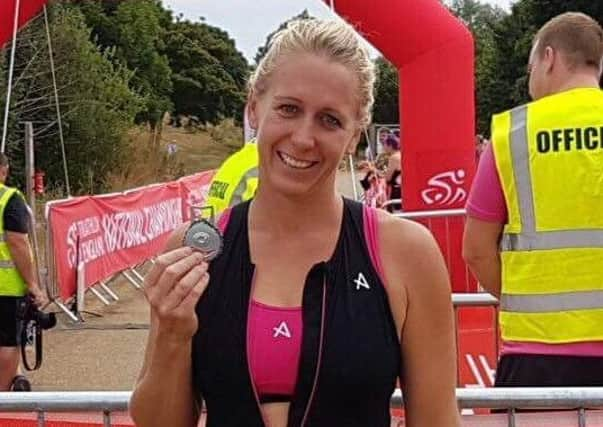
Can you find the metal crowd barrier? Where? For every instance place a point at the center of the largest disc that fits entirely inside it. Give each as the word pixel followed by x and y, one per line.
pixel 390 202
pixel 444 218
pixel 579 399
pixel 73 401
pixel 483 299
pixel 461 300
pixel 441 213
pixel 450 244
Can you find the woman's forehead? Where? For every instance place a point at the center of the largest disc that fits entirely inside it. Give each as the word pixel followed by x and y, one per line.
pixel 314 78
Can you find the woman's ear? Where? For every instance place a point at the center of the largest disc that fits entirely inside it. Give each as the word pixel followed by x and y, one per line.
pixel 351 148
pixel 252 113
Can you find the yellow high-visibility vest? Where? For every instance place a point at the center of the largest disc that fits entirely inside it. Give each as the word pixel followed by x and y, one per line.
pixel 236 180
pixel 549 157
pixel 11 281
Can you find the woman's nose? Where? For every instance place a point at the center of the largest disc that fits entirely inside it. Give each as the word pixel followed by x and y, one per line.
pixel 303 133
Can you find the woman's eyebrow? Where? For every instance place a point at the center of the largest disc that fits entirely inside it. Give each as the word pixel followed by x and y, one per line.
pixel 287 98
pixel 329 110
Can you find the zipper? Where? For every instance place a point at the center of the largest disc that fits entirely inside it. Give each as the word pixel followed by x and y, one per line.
pixel 255 391
pixel 320 345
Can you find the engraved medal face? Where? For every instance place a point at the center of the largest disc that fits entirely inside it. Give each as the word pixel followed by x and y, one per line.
pixel 204 237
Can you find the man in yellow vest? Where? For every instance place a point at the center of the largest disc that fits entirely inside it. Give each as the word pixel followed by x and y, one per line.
pixel 236 180
pixel 539 245
pixel 17 278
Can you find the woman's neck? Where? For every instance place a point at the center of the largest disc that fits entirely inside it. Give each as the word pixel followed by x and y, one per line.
pixel 284 215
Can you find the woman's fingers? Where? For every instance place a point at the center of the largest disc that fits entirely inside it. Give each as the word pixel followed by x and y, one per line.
pixel 171 275
pixel 162 262
pixel 190 301
pixel 173 286
pixel 183 287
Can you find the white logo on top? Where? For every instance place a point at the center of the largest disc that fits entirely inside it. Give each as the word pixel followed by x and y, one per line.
pixel 361 282
pixel 281 330
pixel 445 189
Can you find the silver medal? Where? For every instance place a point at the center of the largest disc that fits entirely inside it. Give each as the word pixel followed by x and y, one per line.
pixel 204 237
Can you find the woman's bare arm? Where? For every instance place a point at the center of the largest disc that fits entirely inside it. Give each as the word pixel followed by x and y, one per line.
pixel 417 282
pixel 163 394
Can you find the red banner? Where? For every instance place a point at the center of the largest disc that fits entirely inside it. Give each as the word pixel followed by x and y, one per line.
pixel 194 191
pixel 110 233
pixel 27 10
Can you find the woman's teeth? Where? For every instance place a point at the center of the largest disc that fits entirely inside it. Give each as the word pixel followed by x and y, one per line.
pixel 295 163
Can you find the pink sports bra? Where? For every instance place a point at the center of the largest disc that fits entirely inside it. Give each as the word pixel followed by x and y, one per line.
pixel 275 337
pixel 275 333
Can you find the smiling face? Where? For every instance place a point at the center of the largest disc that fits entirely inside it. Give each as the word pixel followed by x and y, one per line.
pixel 307 118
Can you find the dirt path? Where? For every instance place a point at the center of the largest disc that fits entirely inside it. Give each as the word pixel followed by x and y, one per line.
pixel 103 353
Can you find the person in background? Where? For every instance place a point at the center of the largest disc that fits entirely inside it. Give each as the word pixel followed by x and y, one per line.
pixel 534 231
pixel 382 136
pixel 373 184
pixel 393 173
pixel 480 145
pixel 235 181
pixel 17 278
pixel 317 304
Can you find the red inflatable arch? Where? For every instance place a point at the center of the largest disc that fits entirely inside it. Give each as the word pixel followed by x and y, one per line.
pixel 434 54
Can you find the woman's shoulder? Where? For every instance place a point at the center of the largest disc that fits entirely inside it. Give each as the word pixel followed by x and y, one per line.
pixel 403 234
pixel 410 254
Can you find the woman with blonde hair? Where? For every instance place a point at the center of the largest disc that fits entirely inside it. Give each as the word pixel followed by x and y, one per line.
pixel 317 304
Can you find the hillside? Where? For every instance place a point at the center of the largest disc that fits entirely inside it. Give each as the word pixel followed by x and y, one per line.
pixel 150 158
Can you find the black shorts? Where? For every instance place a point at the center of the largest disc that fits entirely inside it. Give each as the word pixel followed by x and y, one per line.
pixel 396 193
pixel 8 321
pixel 530 370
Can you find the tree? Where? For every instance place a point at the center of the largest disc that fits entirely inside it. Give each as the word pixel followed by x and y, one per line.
pixel 386 109
pixel 504 80
pixel 263 49
pixel 97 104
pixel 191 69
pixel 209 74
pixel 482 19
pixel 538 12
pixel 135 28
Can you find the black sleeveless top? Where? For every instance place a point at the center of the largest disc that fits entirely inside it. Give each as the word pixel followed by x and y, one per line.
pixel 350 356
pixel 396 189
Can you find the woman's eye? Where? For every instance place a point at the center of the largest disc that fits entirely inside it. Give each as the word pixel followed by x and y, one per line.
pixel 331 121
pixel 288 109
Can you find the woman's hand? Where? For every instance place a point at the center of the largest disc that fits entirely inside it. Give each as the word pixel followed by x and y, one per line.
pixel 173 287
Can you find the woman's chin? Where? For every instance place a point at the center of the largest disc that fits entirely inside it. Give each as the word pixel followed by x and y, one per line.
pixel 291 188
